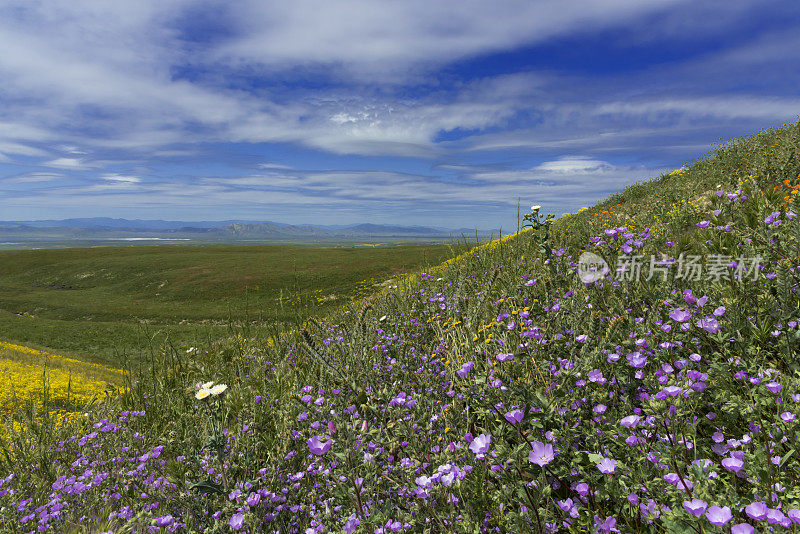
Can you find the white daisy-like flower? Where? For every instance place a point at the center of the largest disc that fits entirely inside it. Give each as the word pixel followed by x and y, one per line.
pixel 219 389
pixel 535 208
pixel 202 394
pixel 207 385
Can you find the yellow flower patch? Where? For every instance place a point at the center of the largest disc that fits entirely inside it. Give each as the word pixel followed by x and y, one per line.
pixel 25 372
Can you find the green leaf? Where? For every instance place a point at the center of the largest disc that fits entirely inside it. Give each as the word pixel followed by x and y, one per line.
pixel 595 458
pixel 786 457
pixel 208 486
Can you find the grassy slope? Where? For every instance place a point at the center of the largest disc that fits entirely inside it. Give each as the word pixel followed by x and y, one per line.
pixel 104 302
pixel 414 339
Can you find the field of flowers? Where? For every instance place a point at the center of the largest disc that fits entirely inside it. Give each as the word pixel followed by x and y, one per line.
pixel 508 391
pixel 29 375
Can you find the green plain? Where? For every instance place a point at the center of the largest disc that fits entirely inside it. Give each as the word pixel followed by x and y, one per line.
pixel 109 304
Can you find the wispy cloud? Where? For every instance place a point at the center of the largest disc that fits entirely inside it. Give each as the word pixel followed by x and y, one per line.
pixel 121 178
pixel 32 177
pixel 69 164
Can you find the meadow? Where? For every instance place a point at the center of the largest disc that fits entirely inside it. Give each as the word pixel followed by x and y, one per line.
pixel 111 304
pixel 508 389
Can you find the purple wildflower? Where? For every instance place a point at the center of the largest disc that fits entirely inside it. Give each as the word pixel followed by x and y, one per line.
pixel 607 525
pixel 318 447
pixel 465 369
pixel 630 421
pixel 542 454
pixel 756 510
pixel 514 416
pixel 774 387
pixel 733 464
pixel 352 524
pixel 709 324
pixel 237 521
pixel 776 517
pixel 688 296
pixel 480 444
pixel 719 516
pixel 680 315
pixel 794 515
pixel 696 507
pixel 607 465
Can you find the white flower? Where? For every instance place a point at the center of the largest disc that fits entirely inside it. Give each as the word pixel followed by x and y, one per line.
pixel 207 385
pixel 219 389
pixel 535 208
pixel 383 318
pixel 202 394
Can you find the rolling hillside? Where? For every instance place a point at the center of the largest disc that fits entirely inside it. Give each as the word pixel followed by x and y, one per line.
pixel 509 389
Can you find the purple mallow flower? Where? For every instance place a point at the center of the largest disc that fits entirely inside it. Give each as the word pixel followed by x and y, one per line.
pixel 465 369
pixel 237 521
pixel 630 421
pixel 733 464
pixel 776 517
pixel 719 516
pixel 680 315
pixel 696 507
pixel 318 447
pixel 794 515
pixel 709 324
pixel 774 387
pixel 607 465
pixel 514 416
pixel 542 454
pixel 606 525
pixel 756 510
pixel 480 444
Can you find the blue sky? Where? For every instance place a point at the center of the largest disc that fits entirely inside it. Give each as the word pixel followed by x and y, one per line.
pixel 444 113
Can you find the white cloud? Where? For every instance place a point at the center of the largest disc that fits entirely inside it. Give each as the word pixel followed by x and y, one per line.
pixel 68 163
pixel 722 106
pixel 268 166
pixel 33 177
pixel 115 62
pixel 374 38
pixel 121 178
pixel 69 149
pixel 574 165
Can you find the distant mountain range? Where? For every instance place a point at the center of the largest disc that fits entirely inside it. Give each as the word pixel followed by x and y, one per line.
pixel 109 228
